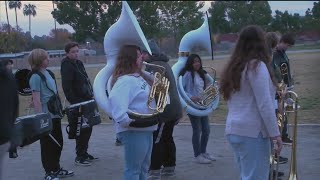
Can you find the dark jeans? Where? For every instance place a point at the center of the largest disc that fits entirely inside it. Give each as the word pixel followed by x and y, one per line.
pixel 82 141
pixel 200 135
pixel 50 151
pixel 163 152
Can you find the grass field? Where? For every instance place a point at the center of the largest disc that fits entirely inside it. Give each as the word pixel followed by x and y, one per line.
pixel 305 68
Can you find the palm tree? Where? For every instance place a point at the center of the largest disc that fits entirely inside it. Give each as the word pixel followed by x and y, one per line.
pixel 14 5
pixel 28 10
pixel 7 16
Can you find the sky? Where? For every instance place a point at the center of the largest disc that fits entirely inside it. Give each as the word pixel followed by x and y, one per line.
pixel 43 22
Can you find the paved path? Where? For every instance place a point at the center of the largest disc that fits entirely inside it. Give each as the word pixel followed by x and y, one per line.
pixel 28 165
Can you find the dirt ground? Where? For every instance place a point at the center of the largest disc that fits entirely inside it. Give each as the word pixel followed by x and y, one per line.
pixel 304 67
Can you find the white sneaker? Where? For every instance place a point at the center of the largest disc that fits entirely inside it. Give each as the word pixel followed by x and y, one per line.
pixel 201 160
pixel 208 156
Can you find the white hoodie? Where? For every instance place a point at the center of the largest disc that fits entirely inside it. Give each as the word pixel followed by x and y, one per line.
pixel 130 91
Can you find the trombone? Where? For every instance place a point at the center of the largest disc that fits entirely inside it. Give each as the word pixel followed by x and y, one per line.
pixel 289 104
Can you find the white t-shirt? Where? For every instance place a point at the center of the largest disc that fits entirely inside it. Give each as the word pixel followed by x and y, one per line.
pixel 129 92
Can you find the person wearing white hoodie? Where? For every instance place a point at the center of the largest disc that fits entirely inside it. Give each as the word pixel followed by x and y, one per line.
pixel 130 88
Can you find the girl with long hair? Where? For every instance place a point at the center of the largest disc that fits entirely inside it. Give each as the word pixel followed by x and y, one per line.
pixel 248 87
pixel 130 91
pixel 194 83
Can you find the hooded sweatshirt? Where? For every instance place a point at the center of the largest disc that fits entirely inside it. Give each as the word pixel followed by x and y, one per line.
pixel 173 111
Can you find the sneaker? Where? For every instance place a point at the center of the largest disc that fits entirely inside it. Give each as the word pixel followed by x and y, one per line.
pixel 91 158
pixel 118 142
pixel 13 154
pixel 287 140
pixel 62 173
pixel 82 162
pixel 154 175
pixel 282 160
pixel 50 176
pixel 201 160
pixel 168 171
pixel 208 156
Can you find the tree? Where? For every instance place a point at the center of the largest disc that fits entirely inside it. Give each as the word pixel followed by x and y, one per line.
pixel 6 6
pixel 15 5
pixel 87 18
pixel 29 10
pixel 147 14
pixel 219 22
pixel 316 10
pixel 180 17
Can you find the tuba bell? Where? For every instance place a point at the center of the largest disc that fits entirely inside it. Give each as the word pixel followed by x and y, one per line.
pixel 126 31
pixel 210 98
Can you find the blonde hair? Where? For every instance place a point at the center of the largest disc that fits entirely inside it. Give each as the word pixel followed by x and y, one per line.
pixel 36 57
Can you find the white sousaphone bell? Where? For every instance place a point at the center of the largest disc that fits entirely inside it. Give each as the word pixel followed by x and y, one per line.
pixel 199 37
pixel 126 31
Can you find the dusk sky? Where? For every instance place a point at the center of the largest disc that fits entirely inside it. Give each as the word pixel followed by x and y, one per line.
pixel 43 22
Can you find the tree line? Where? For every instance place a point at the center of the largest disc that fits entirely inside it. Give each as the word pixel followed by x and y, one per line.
pixel 161 19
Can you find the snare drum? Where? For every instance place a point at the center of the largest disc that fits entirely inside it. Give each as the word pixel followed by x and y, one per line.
pixel 29 129
pixel 88 116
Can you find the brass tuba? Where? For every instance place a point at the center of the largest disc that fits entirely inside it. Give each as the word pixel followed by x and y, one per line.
pixel 126 31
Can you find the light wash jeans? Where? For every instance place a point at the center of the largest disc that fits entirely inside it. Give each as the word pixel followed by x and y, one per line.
pixel 200 127
pixel 252 156
pixel 137 153
pixel 3 150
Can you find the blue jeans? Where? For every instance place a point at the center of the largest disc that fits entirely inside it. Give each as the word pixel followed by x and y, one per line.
pixel 252 156
pixel 137 153
pixel 200 126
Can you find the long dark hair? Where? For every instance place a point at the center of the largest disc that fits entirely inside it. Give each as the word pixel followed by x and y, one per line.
pixel 251 45
pixel 126 62
pixel 189 67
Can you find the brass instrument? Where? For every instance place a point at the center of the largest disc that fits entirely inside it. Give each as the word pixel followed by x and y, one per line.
pixel 273 157
pixel 210 93
pixel 292 107
pixel 159 90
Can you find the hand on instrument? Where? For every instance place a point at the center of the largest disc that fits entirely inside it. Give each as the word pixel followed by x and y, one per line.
pixel 278 140
pixel 195 98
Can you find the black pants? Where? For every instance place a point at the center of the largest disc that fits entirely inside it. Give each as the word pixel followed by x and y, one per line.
pixel 163 152
pixel 82 141
pixel 50 151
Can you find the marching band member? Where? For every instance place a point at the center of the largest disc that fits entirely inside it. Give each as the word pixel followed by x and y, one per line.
pixel 77 88
pixel 130 89
pixel 248 87
pixel 8 65
pixel 164 148
pixel 272 40
pixel 50 151
pixel 194 83
pixel 280 57
pixel 8 109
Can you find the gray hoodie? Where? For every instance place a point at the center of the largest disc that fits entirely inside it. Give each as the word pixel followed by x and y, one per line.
pixel 173 111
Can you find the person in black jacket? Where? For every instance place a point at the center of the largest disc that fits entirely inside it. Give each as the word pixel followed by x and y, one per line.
pixel 164 148
pixel 8 65
pixel 8 109
pixel 77 88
